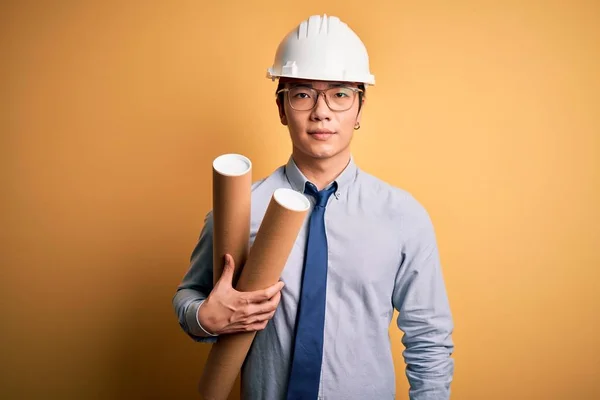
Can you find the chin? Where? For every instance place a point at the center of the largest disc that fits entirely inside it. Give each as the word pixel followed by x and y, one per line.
pixel 321 152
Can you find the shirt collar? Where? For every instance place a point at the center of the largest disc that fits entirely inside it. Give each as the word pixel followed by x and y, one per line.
pixel 298 180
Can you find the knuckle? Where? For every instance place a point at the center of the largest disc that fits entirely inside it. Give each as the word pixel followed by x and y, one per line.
pixel 237 314
pixel 243 301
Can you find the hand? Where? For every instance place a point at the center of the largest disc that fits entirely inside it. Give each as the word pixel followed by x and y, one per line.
pixel 227 310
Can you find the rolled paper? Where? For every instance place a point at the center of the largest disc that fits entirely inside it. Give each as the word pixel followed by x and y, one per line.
pixel 232 190
pixel 271 249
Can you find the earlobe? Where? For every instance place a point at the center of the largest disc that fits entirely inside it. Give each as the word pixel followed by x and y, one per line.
pixel 358 117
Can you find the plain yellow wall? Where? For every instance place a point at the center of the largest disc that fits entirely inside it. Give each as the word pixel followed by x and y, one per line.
pixel 111 113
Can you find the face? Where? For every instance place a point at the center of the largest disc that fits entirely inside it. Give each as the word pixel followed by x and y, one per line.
pixel 319 133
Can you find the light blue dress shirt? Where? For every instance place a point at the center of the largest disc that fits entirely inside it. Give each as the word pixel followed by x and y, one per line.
pixel 382 255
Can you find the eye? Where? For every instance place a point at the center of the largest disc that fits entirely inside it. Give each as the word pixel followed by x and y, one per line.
pixel 301 93
pixel 341 93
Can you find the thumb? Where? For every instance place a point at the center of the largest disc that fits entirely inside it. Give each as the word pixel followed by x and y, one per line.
pixel 227 275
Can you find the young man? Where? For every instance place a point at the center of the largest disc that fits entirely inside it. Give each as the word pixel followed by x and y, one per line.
pixel 365 249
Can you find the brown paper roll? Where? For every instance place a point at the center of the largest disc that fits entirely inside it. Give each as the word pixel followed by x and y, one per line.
pixel 269 253
pixel 232 186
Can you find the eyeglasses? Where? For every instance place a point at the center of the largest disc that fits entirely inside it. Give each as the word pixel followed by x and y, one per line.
pixel 339 98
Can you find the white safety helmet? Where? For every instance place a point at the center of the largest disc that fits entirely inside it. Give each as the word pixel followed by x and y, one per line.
pixel 322 48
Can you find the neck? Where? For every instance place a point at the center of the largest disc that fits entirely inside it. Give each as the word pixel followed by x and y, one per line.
pixel 321 172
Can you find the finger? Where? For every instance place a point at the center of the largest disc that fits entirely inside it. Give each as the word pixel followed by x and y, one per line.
pixel 228 268
pixel 259 326
pixel 263 307
pixel 240 327
pixel 260 318
pixel 265 294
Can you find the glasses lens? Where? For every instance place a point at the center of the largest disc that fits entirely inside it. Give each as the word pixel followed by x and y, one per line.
pixel 302 98
pixel 340 98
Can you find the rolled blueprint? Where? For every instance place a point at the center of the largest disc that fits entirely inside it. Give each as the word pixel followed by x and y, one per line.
pixel 274 241
pixel 232 187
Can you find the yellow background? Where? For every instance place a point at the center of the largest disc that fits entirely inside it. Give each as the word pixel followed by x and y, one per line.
pixel 112 112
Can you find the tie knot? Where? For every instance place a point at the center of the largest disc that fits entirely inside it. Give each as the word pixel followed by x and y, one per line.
pixel 322 196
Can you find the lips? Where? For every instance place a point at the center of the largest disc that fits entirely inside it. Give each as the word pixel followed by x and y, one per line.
pixel 321 134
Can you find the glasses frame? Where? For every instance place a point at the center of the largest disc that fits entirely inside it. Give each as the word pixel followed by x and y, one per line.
pixel 322 92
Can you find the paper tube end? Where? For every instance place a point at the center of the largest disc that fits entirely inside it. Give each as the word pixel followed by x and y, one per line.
pixel 291 199
pixel 232 165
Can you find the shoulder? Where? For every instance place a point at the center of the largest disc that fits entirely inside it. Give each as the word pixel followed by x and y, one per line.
pixel 269 183
pixel 262 192
pixel 396 197
pixel 399 204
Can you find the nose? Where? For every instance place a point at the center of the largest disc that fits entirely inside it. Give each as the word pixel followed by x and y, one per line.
pixel 321 110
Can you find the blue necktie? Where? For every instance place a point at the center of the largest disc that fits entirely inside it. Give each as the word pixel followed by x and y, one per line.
pixel 308 346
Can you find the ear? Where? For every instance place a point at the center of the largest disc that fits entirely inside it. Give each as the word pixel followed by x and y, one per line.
pixel 362 106
pixel 281 110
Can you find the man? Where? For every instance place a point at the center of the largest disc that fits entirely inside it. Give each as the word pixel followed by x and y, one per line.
pixel 365 248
